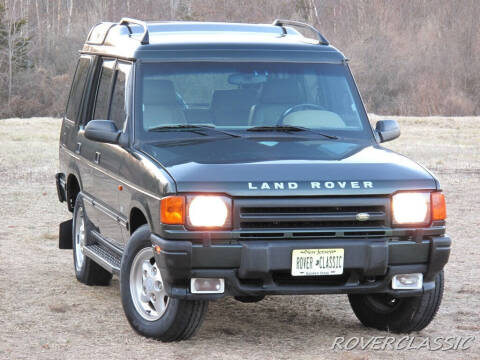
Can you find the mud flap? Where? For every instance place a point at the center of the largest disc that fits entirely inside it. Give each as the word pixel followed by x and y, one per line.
pixel 65 235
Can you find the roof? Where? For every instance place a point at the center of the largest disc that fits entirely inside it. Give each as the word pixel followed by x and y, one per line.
pixel 280 41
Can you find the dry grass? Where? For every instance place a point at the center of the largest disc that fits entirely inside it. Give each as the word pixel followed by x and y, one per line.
pixel 45 313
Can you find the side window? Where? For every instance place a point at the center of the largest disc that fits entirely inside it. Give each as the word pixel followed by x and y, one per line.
pixel 118 110
pixel 104 89
pixel 78 86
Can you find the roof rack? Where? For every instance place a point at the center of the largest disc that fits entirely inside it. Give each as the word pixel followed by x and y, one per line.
pixel 145 36
pixel 280 22
pixel 99 32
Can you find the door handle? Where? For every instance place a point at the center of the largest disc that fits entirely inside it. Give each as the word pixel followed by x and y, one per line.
pixel 97 157
pixel 78 147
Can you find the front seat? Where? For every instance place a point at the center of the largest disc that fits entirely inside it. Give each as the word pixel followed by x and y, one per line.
pixel 160 104
pixel 277 96
pixel 232 107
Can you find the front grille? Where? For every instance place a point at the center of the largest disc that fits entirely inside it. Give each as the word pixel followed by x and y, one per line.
pixel 310 210
pixel 275 224
pixel 310 214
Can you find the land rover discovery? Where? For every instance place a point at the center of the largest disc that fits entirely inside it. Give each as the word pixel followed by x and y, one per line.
pixel 204 160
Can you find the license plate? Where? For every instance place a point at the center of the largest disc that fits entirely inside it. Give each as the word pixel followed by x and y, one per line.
pixel 317 262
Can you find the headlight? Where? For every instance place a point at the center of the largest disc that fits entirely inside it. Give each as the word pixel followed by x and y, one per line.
pixel 411 208
pixel 209 211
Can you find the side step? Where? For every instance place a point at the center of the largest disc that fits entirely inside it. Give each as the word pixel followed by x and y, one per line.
pixel 103 257
pixel 104 254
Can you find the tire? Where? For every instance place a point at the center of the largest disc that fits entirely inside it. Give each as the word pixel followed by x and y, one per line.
pixel 148 309
pixel 250 299
pixel 87 271
pixel 398 315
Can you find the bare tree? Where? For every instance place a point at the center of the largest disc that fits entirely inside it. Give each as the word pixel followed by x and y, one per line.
pixel 409 56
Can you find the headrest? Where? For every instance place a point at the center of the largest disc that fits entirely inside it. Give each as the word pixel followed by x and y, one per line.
pixel 223 96
pixel 159 92
pixel 236 98
pixel 282 91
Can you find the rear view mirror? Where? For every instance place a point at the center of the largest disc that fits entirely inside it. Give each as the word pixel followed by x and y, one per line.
pixel 104 131
pixel 252 78
pixel 387 130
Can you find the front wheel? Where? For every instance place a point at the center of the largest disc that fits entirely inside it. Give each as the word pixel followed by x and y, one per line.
pixel 147 307
pixel 398 315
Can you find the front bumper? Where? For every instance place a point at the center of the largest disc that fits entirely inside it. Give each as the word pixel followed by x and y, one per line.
pixel 262 267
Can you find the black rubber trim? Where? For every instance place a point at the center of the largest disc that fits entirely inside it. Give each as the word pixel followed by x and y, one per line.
pixel 440 248
pixel 241 265
pixel 60 184
pixel 235 287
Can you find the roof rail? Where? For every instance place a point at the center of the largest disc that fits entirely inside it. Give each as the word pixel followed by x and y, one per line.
pixel 127 21
pixel 279 22
pixel 99 32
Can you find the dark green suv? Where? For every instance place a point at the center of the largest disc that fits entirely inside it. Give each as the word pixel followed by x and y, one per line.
pixel 203 160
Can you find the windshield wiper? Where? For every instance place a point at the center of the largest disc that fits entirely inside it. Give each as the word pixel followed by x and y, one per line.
pixel 289 128
pixel 192 127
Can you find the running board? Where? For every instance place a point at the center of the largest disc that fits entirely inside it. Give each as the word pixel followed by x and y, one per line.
pixel 103 257
pixel 107 259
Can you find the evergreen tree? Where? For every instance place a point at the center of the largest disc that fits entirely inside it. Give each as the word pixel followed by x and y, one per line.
pixel 13 49
pixel 11 33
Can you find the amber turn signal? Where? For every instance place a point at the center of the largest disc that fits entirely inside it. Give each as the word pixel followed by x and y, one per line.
pixel 172 210
pixel 439 208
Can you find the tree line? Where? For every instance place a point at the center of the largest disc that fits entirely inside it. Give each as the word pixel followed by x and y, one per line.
pixel 409 57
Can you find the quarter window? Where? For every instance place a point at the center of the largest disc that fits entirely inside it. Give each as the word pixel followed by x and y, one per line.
pixel 78 86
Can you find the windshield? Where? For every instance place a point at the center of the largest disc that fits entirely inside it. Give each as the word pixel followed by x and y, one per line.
pixel 242 96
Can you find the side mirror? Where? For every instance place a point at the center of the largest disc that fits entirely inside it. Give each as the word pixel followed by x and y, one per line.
pixel 387 130
pixel 104 131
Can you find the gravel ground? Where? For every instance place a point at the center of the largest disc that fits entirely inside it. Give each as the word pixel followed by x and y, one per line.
pixel 46 314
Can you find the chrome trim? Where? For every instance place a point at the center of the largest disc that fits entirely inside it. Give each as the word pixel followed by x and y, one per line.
pixel 110 213
pixel 71 153
pixel 363 216
pixel 97 157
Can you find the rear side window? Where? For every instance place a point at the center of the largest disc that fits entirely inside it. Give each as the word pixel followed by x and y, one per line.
pixel 118 111
pixel 76 91
pixel 104 90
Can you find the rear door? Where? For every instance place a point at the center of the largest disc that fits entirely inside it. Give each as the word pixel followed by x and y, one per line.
pixel 73 117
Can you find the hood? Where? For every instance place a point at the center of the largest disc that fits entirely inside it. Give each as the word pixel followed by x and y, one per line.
pixel 287 166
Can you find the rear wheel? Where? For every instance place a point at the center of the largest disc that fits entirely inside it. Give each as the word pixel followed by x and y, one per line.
pixel 147 307
pixel 86 270
pixel 399 315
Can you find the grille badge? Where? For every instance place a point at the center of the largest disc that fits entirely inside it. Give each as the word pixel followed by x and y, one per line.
pixel 362 216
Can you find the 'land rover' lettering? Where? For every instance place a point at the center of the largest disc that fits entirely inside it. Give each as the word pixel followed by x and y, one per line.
pixel 314 185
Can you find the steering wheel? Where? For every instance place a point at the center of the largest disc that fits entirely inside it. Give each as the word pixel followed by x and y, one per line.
pixel 298 107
